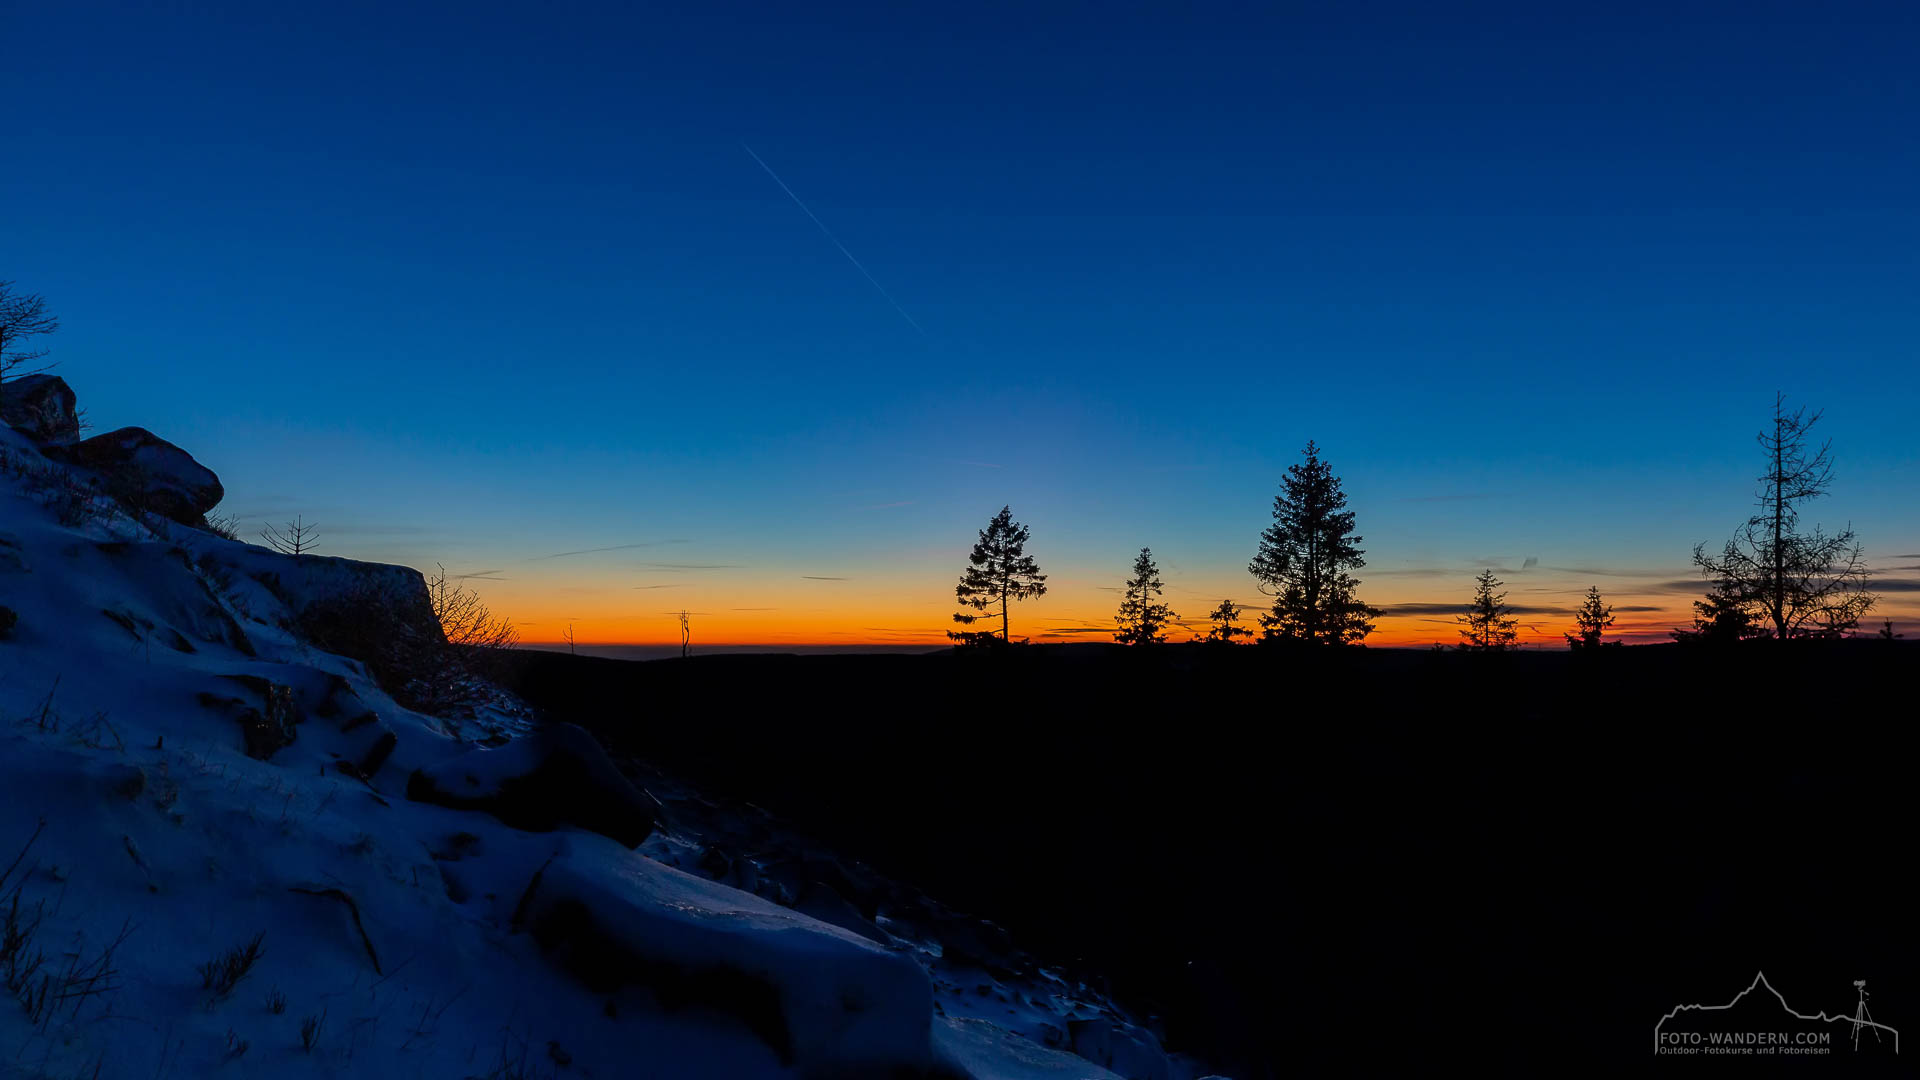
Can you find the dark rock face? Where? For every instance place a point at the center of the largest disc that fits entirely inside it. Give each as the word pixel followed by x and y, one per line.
pixel 41 407
pixel 265 730
pixel 821 902
pixel 1128 1051
pixel 379 615
pixel 978 943
pixel 147 472
pixel 377 754
pixel 560 776
pixel 601 960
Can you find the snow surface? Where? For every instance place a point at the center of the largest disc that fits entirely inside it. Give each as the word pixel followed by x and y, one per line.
pixel 151 843
pixel 848 1003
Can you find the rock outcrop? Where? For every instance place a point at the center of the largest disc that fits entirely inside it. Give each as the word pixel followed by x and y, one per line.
pixel 830 1002
pixel 147 472
pixel 559 776
pixel 42 407
pixel 1129 1051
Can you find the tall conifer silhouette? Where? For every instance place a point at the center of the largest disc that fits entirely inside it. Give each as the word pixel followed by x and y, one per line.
pixel 1304 557
pixel 999 572
pixel 1722 618
pixel 1143 619
pixel 1590 621
pixel 1226 619
pixel 1488 626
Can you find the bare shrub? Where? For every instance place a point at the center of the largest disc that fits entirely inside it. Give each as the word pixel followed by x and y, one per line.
pixel 396 639
pixel 23 316
pixel 73 500
pixel 310 1031
pixel 20 961
pixel 464 618
pixel 222 973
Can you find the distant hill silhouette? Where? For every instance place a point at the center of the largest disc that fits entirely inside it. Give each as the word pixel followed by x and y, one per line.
pixel 1302 860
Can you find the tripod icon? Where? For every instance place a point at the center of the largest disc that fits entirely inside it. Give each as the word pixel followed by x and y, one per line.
pixel 1861 1016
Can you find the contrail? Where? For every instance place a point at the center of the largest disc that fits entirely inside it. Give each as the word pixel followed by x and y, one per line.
pixel 836 240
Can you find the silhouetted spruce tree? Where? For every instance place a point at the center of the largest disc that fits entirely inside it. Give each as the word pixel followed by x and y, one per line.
pixel 1886 632
pixel 1722 618
pixel 1796 584
pixel 1304 557
pixel 1592 620
pixel 998 572
pixel 1142 618
pixel 1225 620
pixel 1487 626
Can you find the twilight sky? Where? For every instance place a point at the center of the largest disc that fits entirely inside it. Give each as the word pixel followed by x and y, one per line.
pixel 503 289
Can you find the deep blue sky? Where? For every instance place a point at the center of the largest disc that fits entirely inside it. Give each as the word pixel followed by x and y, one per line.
pixel 478 285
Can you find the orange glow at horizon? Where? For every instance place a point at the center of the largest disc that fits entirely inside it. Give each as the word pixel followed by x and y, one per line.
pixel 828 612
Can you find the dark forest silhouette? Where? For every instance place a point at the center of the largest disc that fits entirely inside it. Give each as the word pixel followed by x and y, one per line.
pixel 1404 842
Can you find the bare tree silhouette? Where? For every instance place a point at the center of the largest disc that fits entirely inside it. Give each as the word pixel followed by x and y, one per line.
pixel 464 617
pixel 22 316
pixel 686 636
pixel 455 675
pixel 1797 584
pixel 298 539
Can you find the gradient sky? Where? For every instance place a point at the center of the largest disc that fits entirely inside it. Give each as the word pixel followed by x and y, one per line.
pixel 483 286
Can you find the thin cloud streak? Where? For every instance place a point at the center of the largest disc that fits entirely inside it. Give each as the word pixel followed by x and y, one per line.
pixel 1451 608
pixel 871 280
pixel 598 550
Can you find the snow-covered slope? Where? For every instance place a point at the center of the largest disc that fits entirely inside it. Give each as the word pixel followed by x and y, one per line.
pixel 145 661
